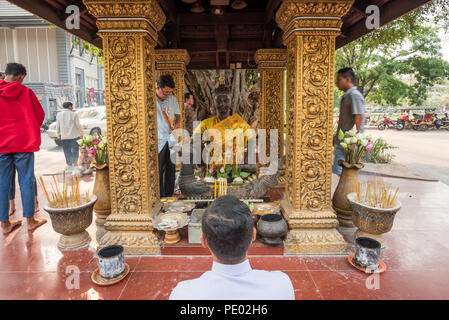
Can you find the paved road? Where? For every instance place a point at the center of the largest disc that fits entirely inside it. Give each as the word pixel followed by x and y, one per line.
pixel 425 152
pixel 50 159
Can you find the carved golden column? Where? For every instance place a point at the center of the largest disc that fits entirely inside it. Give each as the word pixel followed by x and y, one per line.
pixel 310 28
pixel 174 62
pixel 271 64
pixel 129 31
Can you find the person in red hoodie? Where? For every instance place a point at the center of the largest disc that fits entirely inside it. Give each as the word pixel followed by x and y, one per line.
pixel 21 116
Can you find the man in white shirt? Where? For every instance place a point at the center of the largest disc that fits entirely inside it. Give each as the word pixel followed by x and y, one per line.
pixel 69 129
pixel 228 231
pixel 168 119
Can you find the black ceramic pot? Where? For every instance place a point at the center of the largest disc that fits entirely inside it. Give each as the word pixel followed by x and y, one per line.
pixel 271 229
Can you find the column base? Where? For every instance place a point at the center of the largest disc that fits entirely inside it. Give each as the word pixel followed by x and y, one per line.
pixel 134 232
pixel 134 242
pixel 312 233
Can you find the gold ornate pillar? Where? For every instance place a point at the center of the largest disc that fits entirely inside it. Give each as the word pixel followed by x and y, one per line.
pixel 129 31
pixel 174 62
pixel 271 64
pixel 310 28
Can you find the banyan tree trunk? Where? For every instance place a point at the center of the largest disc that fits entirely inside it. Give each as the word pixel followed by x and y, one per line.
pixel 245 92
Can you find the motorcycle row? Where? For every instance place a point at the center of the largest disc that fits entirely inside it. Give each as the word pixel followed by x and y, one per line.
pixel 419 122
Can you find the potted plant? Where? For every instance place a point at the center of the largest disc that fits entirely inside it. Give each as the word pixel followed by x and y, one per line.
pixel 70 212
pixel 374 207
pixel 97 146
pixel 354 146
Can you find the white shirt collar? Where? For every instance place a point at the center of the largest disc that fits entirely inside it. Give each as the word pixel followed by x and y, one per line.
pixel 232 269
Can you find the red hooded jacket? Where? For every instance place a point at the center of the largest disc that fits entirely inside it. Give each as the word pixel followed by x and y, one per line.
pixel 21 116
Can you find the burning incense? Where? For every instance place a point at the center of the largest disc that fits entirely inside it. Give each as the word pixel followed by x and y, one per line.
pixel 68 197
pixel 379 195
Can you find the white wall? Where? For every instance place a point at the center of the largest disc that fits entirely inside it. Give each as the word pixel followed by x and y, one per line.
pixel 33 47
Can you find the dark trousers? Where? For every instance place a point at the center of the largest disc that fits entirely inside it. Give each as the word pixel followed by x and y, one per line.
pixel 166 173
pixel 71 151
pixel 12 188
pixel 24 164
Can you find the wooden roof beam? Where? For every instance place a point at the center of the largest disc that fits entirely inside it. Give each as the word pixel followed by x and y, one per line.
pixel 205 19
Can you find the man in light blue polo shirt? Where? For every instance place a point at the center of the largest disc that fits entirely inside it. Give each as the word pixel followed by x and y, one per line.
pixel 168 119
pixel 352 111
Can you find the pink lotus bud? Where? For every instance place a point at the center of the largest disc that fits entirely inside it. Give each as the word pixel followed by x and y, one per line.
pixel 222 169
pixel 369 147
pixel 93 151
pixel 95 142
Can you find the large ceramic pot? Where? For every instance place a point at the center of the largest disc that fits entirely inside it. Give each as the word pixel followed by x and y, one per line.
pixel 271 228
pixel 72 223
pixel 102 207
pixel 346 185
pixel 372 222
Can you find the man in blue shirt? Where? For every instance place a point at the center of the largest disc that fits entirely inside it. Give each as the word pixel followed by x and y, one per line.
pixel 168 119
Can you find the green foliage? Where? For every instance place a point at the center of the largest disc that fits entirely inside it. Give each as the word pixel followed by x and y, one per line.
pixel 379 153
pixel 398 63
pixel 95 51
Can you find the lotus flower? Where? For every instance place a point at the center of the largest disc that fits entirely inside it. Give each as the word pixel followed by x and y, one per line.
pixel 96 141
pixel 92 151
pixel 364 142
pixel 341 135
pixel 344 145
pixel 353 140
pixel 211 169
pixel 222 170
pixel 352 132
pixel 347 141
pixel 80 142
pixel 369 146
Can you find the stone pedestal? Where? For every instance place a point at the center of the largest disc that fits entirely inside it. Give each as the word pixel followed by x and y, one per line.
pixel 310 28
pixel 129 35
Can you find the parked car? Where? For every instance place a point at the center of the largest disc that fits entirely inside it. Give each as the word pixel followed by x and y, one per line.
pixel 92 119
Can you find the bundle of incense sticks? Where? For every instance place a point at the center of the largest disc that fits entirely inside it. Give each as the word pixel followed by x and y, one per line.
pixel 222 187
pixel 68 197
pixel 379 195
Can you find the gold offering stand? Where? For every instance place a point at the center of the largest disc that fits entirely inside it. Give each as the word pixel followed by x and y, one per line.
pixel 171 234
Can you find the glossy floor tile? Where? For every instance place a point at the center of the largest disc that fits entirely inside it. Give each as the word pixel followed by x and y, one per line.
pixel 416 255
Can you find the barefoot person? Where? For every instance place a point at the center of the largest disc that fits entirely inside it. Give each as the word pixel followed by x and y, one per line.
pixel 12 195
pixel 21 116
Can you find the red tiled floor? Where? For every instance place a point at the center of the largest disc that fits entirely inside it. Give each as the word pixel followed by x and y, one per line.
pixel 417 259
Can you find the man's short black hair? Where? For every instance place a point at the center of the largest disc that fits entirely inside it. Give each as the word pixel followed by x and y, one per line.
pixel 348 73
pixel 187 96
pixel 228 228
pixel 165 80
pixel 15 69
pixel 67 104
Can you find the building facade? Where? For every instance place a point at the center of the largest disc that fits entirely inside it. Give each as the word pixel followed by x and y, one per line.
pixel 59 67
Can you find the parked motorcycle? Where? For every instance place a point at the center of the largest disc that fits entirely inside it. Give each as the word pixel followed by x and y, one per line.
pixel 442 123
pixel 389 123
